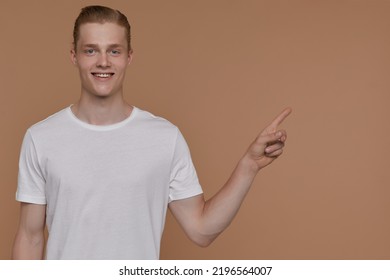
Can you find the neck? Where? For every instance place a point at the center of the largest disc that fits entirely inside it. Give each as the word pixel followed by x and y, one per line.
pixel 101 111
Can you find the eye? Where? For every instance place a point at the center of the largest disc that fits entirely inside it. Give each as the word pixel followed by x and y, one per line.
pixel 115 52
pixel 89 51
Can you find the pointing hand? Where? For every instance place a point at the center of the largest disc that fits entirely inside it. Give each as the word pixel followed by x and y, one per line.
pixel 269 144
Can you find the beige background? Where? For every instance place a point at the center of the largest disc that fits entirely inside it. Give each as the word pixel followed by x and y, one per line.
pixel 221 70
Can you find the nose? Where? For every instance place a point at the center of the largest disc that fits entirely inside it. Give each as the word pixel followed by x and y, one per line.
pixel 103 61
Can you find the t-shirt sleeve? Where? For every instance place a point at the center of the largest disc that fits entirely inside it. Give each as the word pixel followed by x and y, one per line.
pixel 184 181
pixel 31 182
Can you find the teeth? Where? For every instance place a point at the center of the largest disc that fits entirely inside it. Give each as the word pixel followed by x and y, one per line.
pixel 102 75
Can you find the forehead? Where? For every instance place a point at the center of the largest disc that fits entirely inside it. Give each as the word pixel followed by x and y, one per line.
pixel 102 33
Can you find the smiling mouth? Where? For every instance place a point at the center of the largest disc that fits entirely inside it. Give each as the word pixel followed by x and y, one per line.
pixel 103 75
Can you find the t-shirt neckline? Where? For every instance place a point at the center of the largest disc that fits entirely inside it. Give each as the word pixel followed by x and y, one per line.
pixel 101 127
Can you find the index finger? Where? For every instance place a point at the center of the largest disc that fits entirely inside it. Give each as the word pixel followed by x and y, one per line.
pixel 279 119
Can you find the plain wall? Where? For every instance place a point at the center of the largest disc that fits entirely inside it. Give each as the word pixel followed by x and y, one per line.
pixel 221 71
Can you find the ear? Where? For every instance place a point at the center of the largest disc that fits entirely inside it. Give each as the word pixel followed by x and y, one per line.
pixel 130 57
pixel 73 57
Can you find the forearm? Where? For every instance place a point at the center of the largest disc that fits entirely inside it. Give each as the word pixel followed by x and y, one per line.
pixel 220 210
pixel 204 220
pixel 28 247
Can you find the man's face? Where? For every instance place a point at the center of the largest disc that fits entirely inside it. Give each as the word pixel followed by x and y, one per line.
pixel 102 58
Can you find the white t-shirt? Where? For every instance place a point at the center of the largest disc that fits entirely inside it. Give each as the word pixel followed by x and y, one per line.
pixel 106 188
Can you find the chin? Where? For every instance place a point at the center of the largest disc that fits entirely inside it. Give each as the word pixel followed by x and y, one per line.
pixel 103 93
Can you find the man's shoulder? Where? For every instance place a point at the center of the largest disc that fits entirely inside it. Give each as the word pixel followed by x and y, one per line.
pixel 51 123
pixel 153 121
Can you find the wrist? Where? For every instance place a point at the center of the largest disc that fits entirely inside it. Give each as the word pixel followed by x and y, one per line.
pixel 249 165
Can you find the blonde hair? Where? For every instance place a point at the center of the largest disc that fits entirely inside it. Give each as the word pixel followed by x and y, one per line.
pixel 100 14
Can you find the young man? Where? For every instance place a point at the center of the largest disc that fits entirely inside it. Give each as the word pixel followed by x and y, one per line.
pixel 102 173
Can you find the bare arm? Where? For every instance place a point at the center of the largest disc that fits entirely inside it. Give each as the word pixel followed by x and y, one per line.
pixel 30 240
pixel 204 220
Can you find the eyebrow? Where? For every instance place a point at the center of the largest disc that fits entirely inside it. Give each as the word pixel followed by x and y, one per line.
pixel 112 46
